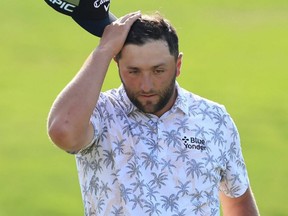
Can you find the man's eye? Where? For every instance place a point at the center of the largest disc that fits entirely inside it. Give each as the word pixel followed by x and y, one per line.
pixel 133 71
pixel 158 71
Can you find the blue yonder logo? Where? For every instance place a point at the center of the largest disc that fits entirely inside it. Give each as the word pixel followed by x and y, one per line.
pixel 194 143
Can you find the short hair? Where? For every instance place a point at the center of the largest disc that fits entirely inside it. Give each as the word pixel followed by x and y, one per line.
pixel 152 28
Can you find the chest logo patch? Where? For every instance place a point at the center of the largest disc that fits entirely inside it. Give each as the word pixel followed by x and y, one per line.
pixel 194 143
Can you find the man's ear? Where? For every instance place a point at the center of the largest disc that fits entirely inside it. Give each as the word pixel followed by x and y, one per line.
pixel 179 64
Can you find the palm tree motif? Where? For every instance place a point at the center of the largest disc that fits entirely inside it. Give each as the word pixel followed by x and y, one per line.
pixel 100 110
pixel 94 185
pixel 235 178
pixel 97 148
pixel 220 119
pixel 210 198
pixel 119 145
pixel 86 166
pixel 217 136
pixel 149 160
pixel 167 164
pixel 214 211
pixel 80 159
pixel 117 211
pixel 134 115
pixel 151 192
pixel 216 179
pixel 124 193
pixel 103 135
pixel 222 158
pixel 217 108
pixel 233 191
pixel 172 137
pixel 197 195
pixel 183 188
pixel 115 175
pixel 85 189
pixel 198 207
pixel 96 165
pixel 170 202
pixel 127 130
pixel 182 153
pixel 181 101
pixel 109 118
pixel 132 154
pixel 208 175
pixel 88 150
pixel 137 200
pixel 151 128
pixel 200 131
pixel 137 125
pixel 182 125
pixel 154 146
pixel 234 133
pixel 138 185
pixel 104 189
pixel 134 169
pixel 91 212
pixel 109 158
pixel 240 162
pixel 205 113
pixel 100 203
pixel 152 208
pixel 193 109
pixel 158 180
pixel 182 213
pixel 194 168
pixel 232 151
pixel 120 114
pixel 209 160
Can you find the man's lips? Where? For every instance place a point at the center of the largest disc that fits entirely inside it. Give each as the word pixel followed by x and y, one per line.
pixel 147 95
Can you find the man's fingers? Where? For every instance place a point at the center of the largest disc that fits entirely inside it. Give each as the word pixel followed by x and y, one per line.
pixel 115 34
pixel 131 17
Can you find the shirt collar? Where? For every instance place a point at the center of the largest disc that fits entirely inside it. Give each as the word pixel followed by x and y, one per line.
pixel 181 102
pixel 125 102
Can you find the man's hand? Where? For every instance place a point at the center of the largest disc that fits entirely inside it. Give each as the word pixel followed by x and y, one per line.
pixel 115 34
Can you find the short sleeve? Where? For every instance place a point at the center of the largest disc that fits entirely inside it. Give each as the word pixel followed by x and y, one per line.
pixel 235 180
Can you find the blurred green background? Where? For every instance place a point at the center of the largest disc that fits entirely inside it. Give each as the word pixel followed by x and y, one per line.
pixel 235 52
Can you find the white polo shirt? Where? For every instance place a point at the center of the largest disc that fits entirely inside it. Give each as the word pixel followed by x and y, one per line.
pixel 140 164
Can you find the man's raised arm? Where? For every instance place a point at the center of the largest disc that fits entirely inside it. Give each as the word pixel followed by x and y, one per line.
pixel 69 124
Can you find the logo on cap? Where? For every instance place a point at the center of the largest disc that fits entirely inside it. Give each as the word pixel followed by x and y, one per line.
pixel 62 6
pixel 98 3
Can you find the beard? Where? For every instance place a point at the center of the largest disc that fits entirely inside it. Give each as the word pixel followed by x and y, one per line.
pixel 164 96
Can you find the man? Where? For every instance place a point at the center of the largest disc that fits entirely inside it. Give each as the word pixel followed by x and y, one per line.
pixel 148 147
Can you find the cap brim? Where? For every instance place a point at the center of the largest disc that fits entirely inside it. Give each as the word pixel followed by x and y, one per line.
pixel 95 27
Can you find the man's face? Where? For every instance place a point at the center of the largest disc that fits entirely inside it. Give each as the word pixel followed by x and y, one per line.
pixel 148 74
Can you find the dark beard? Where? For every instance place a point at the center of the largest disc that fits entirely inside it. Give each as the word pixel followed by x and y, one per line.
pixel 164 95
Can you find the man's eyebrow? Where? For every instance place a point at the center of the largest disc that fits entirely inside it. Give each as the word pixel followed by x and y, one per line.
pixel 159 65
pixel 153 67
pixel 132 67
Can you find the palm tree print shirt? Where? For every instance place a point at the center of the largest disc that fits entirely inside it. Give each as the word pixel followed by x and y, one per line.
pixel 139 164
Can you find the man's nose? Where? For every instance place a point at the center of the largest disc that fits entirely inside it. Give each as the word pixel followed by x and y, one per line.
pixel 146 83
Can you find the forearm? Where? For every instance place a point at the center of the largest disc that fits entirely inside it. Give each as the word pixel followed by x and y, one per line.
pixel 68 121
pixel 244 205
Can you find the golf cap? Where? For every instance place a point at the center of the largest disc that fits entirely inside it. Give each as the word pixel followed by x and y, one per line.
pixel 92 15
